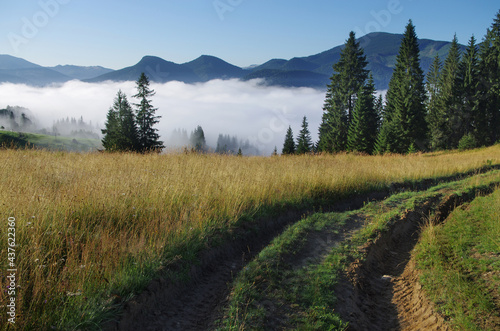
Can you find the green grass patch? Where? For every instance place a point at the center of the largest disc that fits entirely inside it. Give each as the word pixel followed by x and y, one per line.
pixel 460 264
pixel 272 292
pixel 55 143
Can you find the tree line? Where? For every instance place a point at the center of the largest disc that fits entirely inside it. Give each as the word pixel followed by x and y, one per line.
pixel 16 119
pixel 196 142
pixel 75 128
pixel 22 120
pixel 457 105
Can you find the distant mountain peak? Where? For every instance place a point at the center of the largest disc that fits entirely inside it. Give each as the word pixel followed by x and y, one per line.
pixel 206 57
pixel 9 62
pixel 209 67
pixel 150 59
pixel 381 49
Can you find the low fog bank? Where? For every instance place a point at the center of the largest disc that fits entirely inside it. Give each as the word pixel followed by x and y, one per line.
pixel 250 111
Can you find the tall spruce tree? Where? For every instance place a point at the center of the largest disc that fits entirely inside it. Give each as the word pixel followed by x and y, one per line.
pixel 111 132
pixel 146 118
pixel 289 144
pixel 434 110
pixel 487 108
pixel 468 80
pixel 129 127
pixel 349 75
pixel 304 141
pixel 495 109
pixel 449 98
pixel 484 96
pixel 386 141
pixel 120 133
pixel 197 139
pixel 364 126
pixel 404 118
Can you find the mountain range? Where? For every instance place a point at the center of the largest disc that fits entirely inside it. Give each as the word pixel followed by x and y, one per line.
pixel 380 49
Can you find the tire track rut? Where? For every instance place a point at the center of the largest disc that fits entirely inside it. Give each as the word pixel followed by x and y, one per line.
pixel 196 305
pixel 383 292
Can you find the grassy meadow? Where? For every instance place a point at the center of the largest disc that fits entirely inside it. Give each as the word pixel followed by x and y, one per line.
pixel 92 229
pixel 460 264
pixel 35 140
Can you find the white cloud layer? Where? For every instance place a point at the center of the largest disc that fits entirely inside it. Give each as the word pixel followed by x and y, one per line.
pixel 248 110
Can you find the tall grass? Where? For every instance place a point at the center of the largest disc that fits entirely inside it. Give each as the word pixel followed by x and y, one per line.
pixel 93 228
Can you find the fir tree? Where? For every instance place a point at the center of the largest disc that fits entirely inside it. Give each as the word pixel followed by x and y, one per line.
pixel 129 132
pixel 404 121
pixel 121 129
pixel 198 139
pixel 111 132
pixel 221 145
pixel 289 144
pixel 146 118
pixel 386 140
pixel 487 108
pixel 434 111
pixel 364 127
pixel 349 75
pixel 495 109
pixel 304 141
pixel 333 128
pixel 380 108
pixel 449 98
pixel 468 80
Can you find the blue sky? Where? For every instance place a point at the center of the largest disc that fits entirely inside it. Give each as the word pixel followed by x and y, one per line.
pixel 116 34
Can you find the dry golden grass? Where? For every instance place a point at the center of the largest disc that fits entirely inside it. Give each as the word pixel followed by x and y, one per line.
pixel 94 226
